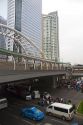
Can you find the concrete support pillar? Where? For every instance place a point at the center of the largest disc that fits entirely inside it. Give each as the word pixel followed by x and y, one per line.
pixel 52 66
pixel 59 80
pixel 46 65
pixel 34 66
pixel 58 66
pixel 25 64
pixel 62 67
pixel 55 66
pixel 54 82
pixel 41 65
pixel 14 66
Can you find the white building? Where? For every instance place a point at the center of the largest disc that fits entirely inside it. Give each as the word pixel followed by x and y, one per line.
pixel 50 44
pixel 25 16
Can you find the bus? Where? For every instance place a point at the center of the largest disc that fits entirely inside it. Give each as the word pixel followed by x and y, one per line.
pixel 64 111
pixel 3 103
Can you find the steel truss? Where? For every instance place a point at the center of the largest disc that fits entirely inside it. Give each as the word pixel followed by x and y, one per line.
pixel 21 43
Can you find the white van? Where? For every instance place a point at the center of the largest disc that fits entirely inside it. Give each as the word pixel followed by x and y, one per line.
pixel 64 111
pixel 3 103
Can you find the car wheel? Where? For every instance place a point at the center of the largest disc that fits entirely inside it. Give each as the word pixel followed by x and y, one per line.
pixel 63 118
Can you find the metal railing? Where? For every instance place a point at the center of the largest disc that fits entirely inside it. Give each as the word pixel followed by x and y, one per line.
pixel 29 58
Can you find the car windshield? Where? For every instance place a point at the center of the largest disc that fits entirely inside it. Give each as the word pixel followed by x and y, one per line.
pixel 71 109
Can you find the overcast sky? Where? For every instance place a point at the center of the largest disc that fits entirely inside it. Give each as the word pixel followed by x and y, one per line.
pixel 70 14
pixel 3 8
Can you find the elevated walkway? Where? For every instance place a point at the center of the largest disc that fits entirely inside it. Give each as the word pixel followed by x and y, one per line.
pixel 10 75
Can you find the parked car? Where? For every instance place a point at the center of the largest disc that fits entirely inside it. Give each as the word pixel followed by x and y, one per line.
pixel 32 113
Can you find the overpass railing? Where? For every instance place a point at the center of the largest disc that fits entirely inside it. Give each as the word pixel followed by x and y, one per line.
pixel 23 62
pixel 24 54
pixel 30 65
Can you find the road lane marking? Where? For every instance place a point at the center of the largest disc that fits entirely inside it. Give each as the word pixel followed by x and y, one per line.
pixel 17 117
pixel 27 122
pixel 23 120
pixel 55 120
pixel 61 122
pixel 44 124
pixel 47 124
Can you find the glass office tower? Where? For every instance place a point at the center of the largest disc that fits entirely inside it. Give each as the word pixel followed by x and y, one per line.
pixel 2 38
pixel 25 16
pixel 50 36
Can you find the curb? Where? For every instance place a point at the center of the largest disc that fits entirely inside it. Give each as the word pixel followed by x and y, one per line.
pixel 78 114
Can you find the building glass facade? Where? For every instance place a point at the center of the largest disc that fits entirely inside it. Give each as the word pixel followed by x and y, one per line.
pixel 50 36
pixel 25 16
pixel 2 38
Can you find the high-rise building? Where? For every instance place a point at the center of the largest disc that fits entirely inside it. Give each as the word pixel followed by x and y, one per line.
pixel 25 16
pixel 50 36
pixel 2 38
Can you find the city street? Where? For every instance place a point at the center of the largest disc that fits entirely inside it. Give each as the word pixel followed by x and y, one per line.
pixel 41 62
pixel 12 113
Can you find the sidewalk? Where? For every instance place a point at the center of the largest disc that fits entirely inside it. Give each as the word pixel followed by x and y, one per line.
pixel 68 94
